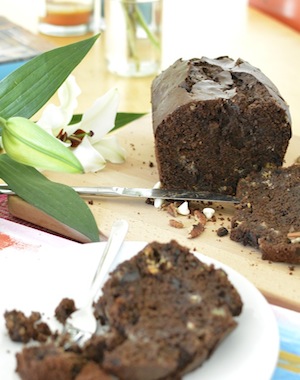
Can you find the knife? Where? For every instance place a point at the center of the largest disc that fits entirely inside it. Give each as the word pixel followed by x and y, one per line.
pixel 183 195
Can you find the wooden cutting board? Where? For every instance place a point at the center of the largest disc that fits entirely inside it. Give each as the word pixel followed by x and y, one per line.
pixel 280 283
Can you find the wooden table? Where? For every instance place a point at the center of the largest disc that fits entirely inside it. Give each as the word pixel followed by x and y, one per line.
pixel 267 44
pixel 278 282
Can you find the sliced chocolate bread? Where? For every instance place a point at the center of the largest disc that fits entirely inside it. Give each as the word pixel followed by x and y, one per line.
pixel 268 217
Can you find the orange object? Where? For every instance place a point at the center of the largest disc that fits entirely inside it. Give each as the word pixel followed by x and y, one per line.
pixel 286 11
pixel 67 19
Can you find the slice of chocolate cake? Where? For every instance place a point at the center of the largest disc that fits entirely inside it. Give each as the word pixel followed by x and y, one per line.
pixel 171 310
pixel 268 216
pixel 214 122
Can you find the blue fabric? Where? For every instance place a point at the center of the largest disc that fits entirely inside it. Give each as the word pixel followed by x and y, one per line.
pixel 7 68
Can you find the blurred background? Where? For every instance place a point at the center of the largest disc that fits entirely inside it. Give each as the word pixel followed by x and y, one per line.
pixel 263 32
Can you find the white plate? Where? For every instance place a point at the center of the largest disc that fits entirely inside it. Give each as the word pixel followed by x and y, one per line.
pixel 38 279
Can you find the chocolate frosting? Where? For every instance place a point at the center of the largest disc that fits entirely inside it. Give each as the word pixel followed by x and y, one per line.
pixel 202 80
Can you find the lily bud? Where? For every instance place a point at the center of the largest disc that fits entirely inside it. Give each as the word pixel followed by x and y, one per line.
pixel 27 143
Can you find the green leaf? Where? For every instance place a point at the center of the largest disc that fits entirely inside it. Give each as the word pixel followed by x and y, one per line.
pixel 55 199
pixel 76 118
pixel 122 119
pixel 27 89
pixel 125 118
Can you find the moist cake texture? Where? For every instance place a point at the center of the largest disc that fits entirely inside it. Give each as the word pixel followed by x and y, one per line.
pixel 171 310
pixel 268 216
pixel 164 311
pixel 214 122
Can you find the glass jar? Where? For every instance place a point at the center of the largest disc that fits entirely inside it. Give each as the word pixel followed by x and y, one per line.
pixel 66 17
pixel 133 37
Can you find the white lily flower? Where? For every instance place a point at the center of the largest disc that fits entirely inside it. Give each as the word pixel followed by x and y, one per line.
pixel 95 148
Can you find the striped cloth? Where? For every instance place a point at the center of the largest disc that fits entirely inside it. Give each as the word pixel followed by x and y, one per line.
pixel 288 367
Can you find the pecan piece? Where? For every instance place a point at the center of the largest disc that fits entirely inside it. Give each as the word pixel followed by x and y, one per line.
pixel 176 223
pixel 196 231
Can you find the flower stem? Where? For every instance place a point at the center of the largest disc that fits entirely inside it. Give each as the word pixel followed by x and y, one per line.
pixel 140 19
pixel 131 32
pixel 134 17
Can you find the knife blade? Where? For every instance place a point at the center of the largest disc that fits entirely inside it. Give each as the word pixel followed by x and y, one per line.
pixel 115 191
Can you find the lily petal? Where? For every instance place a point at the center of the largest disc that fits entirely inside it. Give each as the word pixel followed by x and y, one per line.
pixel 111 150
pixel 68 93
pixel 90 159
pixel 54 118
pixel 100 118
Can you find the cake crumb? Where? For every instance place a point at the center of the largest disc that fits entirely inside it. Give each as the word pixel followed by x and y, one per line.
pixel 222 231
pixel 65 308
pixel 22 329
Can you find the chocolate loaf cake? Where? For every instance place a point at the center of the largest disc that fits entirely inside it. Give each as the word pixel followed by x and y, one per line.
pixel 171 310
pixel 166 312
pixel 268 216
pixel 214 122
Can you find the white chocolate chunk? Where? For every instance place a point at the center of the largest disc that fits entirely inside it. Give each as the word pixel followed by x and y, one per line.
pixel 157 185
pixel 208 212
pixel 158 202
pixel 183 209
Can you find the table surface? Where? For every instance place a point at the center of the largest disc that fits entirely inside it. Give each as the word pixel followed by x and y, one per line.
pixel 280 61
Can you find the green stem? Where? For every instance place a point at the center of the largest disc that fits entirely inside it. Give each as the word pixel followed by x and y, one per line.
pixel 134 17
pixel 131 33
pixel 140 19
